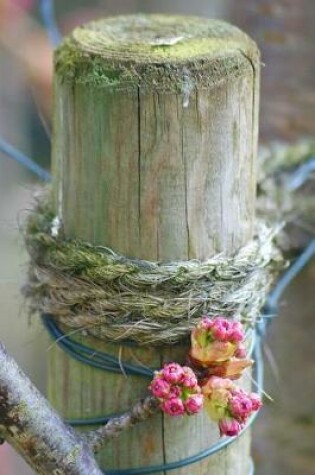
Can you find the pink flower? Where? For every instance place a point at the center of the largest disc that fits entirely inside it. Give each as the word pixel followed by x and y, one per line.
pixel 173 406
pixel 189 378
pixel 173 373
pixel 230 427
pixel 256 401
pixel 194 403
pixel 240 407
pixel 159 387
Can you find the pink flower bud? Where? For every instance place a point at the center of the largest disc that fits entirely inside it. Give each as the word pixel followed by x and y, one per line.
pixel 236 333
pixel 173 406
pixel 189 378
pixel 240 407
pixel 220 329
pixel 206 323
pixel 173 373
pixel 230 427
pixel 240 352
pixel 159 387
pixel 256 401
pixel 194 403
pixel 175 391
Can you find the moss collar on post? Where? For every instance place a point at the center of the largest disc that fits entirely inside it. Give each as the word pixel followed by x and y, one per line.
pixel 139 48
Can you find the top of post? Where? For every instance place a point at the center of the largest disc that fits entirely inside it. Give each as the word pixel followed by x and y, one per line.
pixel 136 49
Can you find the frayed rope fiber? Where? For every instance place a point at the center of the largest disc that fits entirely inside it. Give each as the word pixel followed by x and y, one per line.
pixel 113 298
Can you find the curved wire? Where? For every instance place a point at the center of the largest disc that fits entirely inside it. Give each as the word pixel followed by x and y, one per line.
pixel 24 160
pixel 285 280
pixel 100 359
pixel 108 362
pixel 221 444
pixel 301 174
pixel 47 10
pixel 97 359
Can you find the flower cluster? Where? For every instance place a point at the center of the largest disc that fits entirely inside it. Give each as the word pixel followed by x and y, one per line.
pixel 229 405
pixel 216 344
pixel 217 340
pixel 218 357
pixel 177 389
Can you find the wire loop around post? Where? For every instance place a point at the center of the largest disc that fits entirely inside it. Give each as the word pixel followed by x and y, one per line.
pixel 108 362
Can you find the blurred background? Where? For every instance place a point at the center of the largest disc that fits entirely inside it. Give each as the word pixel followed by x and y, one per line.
pixel 283 437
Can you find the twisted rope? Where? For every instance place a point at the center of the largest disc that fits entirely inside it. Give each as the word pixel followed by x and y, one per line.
pixel 116 299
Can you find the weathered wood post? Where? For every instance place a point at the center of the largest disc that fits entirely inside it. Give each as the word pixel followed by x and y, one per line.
pixel 155 135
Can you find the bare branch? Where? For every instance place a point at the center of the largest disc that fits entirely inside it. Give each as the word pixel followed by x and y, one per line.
pixel 35 430
pixel 140 412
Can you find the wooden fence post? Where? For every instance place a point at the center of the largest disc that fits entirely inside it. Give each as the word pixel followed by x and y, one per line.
pixel 154 148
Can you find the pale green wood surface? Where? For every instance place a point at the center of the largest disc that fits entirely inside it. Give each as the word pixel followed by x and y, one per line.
pixel 142 171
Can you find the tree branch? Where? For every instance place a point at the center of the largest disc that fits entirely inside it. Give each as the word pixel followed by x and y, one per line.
pixel 35 430
pixel 140 412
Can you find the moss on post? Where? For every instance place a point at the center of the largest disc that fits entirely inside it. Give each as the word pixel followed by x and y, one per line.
pixel 155 52
pixel 154 148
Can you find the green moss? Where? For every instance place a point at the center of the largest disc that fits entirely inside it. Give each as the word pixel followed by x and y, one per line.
pixel 153 50
pixel 72 64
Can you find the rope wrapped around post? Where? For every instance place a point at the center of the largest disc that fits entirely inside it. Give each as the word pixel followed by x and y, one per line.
pixel 93 289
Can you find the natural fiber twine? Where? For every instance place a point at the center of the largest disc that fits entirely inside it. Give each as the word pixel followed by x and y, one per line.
pixel 116 299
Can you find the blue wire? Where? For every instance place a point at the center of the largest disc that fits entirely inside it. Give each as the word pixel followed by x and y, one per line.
pixel 286 279
pixel 100 360
pixel 47 11
pixel 97 359
pixel 301 174
pixel 27 162
pixel 221 444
